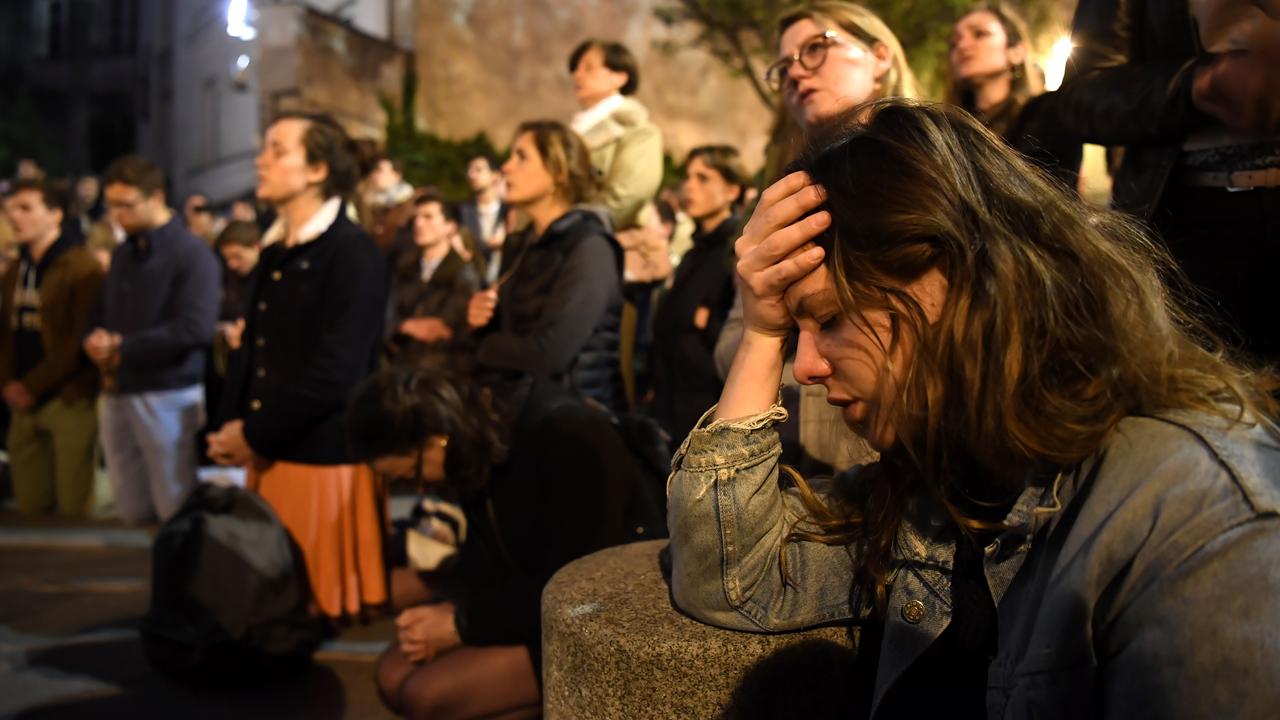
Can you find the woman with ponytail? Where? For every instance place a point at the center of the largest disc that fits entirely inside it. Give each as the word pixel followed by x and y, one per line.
pixel 313 330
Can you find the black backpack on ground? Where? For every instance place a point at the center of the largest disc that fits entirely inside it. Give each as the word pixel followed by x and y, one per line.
pixel 229 593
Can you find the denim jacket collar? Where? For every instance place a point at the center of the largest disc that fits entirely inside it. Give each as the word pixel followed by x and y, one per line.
pixel 920 595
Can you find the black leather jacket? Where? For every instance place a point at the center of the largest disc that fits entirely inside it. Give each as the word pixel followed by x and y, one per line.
pixel 1129 83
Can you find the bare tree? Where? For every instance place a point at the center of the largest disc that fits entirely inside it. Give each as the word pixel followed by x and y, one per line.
pixel 737 32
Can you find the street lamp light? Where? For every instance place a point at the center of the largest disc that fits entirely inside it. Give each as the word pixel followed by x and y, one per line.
pixel 1056 65
pixel 240 20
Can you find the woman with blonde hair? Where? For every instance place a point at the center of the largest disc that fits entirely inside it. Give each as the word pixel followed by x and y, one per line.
pixel 831 56
pixel 1076 511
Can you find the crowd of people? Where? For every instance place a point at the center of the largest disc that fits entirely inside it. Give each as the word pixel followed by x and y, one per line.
pixel 1062 418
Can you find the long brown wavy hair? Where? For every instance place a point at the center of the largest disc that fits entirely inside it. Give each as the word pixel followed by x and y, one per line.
pixel 1059 322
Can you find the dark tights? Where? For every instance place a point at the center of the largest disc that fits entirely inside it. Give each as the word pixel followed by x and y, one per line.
pixel 494 683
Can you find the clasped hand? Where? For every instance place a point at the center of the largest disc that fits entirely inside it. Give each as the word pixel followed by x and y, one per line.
pixel 103 348
pixel 228 446
pixel 425 631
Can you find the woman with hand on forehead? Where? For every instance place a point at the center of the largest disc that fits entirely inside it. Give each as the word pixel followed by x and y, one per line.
pixel 832 56
pixel 1078 484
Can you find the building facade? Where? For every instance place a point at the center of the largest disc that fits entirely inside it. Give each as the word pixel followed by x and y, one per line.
pixel 190 83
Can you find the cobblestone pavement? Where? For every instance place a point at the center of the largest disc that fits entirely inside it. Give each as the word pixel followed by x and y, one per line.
pixel 70 598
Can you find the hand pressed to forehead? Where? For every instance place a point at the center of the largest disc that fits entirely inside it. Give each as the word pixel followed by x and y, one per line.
pixel 776 250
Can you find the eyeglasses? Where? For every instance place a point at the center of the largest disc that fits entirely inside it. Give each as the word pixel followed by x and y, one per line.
pixel 811 55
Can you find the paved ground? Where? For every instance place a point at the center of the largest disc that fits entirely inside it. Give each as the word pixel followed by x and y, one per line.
pixel 70 598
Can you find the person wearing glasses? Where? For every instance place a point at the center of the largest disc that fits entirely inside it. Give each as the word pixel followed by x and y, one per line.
pixel 550 483
pixel 149 333
pixel 832 56
pixel 199 218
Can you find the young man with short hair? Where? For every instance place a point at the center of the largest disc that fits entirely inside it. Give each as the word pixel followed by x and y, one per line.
pixel 431 288
pixel 154 319
pixel 485 215
pixel 45 301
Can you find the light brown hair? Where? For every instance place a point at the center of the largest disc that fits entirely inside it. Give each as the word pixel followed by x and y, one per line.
pixel 566 158
pixel 1060 320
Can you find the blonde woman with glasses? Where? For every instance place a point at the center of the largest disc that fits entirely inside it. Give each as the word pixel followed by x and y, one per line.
pixel 832 56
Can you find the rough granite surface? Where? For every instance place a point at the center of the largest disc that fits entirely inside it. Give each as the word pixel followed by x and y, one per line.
pixel 615 647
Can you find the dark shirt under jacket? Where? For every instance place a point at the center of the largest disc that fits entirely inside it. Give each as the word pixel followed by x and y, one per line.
pixel 28 345
pixel 682 361
pixel 563 493
pixel 161 294
pixel 559 312
pixel 43 310
pixel 313 331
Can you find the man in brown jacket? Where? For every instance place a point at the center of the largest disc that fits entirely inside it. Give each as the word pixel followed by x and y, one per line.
pixel 49 386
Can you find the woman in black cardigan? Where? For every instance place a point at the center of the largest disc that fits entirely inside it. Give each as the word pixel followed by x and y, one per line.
pixel 691 314
pixel 313 331
pixel 557 485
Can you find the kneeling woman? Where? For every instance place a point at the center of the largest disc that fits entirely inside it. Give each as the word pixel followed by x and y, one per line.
pixel 1077 508
pixel 554 487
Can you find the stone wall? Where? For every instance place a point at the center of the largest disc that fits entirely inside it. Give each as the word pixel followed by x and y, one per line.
pixel 486 65
pixel 310 62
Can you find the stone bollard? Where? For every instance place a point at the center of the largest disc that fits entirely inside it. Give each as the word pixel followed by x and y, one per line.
pixel 614 647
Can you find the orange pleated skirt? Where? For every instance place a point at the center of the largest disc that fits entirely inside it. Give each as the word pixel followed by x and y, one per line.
pixel 336 514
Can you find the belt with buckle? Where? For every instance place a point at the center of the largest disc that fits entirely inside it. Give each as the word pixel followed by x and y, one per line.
pixel 1233 180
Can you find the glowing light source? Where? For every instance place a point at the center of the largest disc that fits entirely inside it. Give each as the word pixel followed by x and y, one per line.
pixel 238 20
pixel 1056 64
pixel 242 62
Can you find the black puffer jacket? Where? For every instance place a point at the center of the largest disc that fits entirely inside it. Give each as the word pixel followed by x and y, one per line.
pixel 1129 84
pixel 559 310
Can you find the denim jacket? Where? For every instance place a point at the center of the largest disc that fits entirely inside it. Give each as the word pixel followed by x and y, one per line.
pixel 1143 583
